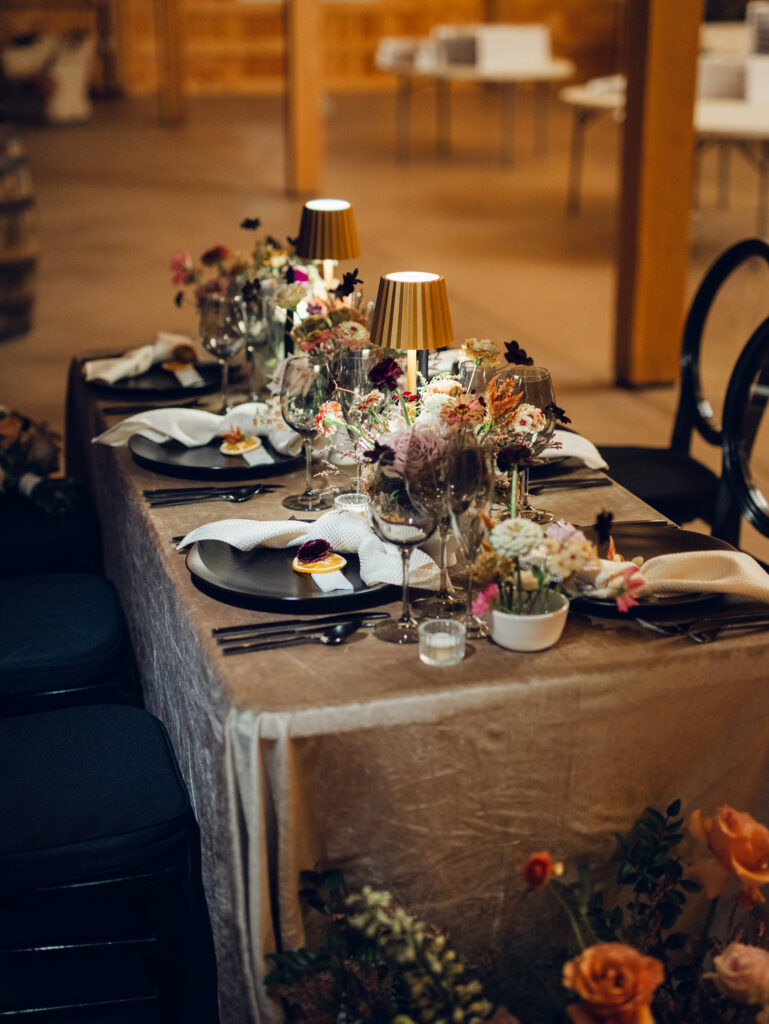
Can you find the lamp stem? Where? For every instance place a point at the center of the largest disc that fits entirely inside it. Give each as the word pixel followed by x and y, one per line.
pixel 328 273
pixel 411 371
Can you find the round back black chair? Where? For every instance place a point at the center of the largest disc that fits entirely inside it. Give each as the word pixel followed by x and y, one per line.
pixel 101 901
pixel 671 479
pixel 744 406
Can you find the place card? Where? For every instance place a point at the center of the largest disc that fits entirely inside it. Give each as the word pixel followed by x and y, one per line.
pixel 188 376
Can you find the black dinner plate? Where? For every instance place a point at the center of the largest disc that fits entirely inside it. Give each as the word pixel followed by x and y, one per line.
pixel 649 540
pixel 205 462
pixel 160 383
pixel 263 579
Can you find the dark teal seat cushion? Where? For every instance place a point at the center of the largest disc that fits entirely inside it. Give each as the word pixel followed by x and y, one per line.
pixel 88 793
pixel 58 631
pixel 33 541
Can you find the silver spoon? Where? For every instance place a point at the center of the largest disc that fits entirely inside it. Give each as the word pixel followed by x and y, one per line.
pixel 237 494
pixel 331 637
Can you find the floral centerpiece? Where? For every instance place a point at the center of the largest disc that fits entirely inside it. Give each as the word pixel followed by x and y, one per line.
pixel 29 456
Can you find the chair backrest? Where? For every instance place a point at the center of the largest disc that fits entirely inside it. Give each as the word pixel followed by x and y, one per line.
pixel 694 411
pixel 744 406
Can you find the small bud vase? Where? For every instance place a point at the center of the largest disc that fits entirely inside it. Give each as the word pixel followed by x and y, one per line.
pixel 529 632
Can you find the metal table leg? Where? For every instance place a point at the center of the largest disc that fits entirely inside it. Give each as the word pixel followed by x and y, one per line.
pixel 541 111
pixel 507 123
pixel 582 119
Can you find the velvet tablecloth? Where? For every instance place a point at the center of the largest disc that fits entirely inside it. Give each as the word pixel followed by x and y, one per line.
pixel 434 783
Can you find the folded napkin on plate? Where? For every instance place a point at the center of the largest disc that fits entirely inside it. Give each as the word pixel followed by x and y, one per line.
pixel 195 427
pixel 136 361
pixel 345 532
pixel 574 446
pixel 689 572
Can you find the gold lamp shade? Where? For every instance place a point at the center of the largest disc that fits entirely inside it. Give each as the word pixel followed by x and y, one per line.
pixel 327 231
pixel 411 312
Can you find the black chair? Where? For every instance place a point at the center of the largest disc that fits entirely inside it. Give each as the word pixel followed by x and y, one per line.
pixel 63 642
pixel 671 479
pixel 101 902
pixel 34 541
pixel 744 405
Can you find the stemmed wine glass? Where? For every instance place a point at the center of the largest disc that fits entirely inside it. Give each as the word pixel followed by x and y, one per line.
pixel 351 373
pixel 536 388
pixel 396 519
pixel 304 389
pixel 222 326
pixel 470 487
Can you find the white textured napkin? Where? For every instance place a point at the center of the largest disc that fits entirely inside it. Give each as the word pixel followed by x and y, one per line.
pixel 136 361
pixel 574 446
pixel 344 531
pixel 195 427
pixel 687 572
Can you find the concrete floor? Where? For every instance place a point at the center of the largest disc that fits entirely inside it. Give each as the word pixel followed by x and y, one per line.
pixel 119 194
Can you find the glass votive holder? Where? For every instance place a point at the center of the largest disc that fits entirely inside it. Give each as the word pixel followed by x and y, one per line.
pixel 351 501
pixel 441 642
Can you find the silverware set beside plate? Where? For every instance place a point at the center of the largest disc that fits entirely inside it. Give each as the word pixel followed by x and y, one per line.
pixel 171 497
pixel 569 483
pixel 708 628
pixel 330 630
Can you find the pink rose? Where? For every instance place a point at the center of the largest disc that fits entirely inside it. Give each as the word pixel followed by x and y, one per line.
pixel 742 973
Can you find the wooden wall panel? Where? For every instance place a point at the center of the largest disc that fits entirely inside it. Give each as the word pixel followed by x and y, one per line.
pixel 237 47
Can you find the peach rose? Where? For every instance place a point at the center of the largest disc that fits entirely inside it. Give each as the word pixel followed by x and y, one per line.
pixel 741 846
pixel 742 973
pixel 540 868
pixel 615 982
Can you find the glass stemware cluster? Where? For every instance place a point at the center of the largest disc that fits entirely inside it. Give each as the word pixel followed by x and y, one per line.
pixel 223 321
pixel 305 387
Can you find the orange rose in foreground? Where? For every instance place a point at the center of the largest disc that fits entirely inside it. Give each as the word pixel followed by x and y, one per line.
pixel 741 846
pixel 540 868
pixel 615 982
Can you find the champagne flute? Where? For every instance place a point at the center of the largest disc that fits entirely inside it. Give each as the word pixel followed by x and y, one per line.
pixel 534 428
pixel 222 328
pixel 470 487
pixel 396 519
pixel 351 373
pixel 304 389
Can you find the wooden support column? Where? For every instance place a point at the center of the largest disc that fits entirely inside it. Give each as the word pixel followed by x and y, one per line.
pixel 169 36
pixel 661 42
pixel 304 96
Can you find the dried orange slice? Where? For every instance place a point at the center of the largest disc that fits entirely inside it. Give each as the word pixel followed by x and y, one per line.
pixel 330 563
pixel 247 444
pixel 172 367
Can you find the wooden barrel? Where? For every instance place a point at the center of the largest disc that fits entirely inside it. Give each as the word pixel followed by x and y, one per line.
pixel 18 237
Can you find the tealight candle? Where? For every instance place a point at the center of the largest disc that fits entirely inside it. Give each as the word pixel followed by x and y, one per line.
pixel 441 642
pixel 352 502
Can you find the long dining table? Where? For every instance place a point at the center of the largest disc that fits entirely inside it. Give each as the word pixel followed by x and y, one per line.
pixel 435 783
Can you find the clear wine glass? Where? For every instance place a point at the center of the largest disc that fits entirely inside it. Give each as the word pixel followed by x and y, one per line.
pixel 470 488
pixel 222 328
pixel 536 387
pixel 351 372
pixel 304 389
pixel 397 519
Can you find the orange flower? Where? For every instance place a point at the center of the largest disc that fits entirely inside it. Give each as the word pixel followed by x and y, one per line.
pixel 501 398
pixel 10 428
pixel 741 846
pixel 540 868
pixel 615 982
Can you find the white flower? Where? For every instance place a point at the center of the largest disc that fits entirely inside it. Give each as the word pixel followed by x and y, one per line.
pixel 430 411
pixel 514 538
pixel 528 419
pixel 481 350
pixel 288 296
pixel 442 386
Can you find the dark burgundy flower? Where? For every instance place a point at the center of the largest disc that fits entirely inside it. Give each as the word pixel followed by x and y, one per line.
pixel 179 298
pixel 514 455
pixel 290 275
pixel 250 223
pixel 558 414
pixel 380 454
pixel 517 355
pixel 603 526
pixel 385 374
pixel 250 290
pixel 347 287
pixel 313 550
pixel 291 241
pixel 331 389
pixel 214 255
